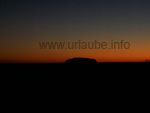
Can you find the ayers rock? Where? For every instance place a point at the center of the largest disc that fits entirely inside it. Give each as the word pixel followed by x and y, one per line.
pixel 81 61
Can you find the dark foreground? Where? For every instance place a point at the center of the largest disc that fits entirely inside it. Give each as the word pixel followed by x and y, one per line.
pixel 63 63
pixel 45 67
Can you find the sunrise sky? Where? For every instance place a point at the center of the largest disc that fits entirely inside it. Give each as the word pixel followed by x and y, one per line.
pixel 25 23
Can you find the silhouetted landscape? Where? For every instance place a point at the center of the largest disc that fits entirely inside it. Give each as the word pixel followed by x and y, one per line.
pixel 93 61
pixel 81 61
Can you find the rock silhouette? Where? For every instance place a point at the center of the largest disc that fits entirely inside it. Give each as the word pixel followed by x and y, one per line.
pixel 81 61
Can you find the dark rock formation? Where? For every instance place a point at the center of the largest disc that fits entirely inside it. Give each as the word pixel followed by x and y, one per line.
pixel 81 61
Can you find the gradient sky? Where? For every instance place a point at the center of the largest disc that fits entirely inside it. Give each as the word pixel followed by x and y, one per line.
pixel 25 23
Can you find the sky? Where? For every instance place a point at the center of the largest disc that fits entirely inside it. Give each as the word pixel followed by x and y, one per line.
pixel 25 23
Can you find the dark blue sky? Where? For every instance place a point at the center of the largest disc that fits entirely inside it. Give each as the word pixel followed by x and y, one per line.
pixel 60 15
pixel 73 10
